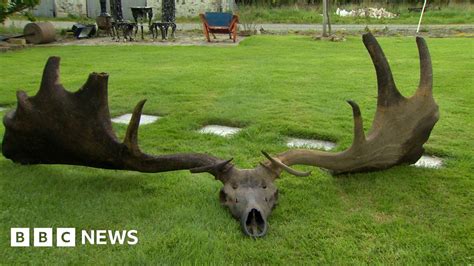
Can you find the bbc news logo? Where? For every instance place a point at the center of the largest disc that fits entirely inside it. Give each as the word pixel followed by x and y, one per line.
pixel 66 237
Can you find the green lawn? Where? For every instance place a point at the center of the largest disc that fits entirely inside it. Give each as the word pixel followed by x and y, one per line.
pixel 273 87
pixel 456 14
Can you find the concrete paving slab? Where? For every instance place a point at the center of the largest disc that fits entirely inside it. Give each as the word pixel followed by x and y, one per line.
pixel 144 120
pixel 427 161
pixel 310 143
pixel 219 130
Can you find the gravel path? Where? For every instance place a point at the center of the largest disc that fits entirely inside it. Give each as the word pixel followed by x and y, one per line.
pixel 286 27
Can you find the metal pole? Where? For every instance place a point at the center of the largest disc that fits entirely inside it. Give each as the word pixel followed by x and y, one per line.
pixel 168 11
pixel 421 16
pixel 116 8
pixel 103 7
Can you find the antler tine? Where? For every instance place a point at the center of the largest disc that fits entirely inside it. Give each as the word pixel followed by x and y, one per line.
pixel 23 103
pixel 359 135
pixel 277 162
pixel 95 89
pixel 131 137
pixel 50 79
pixel 214 169
pixel 426 70
pixel 388 93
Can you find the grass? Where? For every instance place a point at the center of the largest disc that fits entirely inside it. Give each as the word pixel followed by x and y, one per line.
pixel 10 30
pixel 454 14
pixel 461 14
pixel 275 87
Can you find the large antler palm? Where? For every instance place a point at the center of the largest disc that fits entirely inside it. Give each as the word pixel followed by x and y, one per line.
pixel 59 127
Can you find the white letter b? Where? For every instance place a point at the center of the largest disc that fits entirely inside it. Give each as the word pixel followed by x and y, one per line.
pixel 20 237
pixel 43 237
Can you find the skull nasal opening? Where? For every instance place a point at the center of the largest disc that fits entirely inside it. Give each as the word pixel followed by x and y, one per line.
pixel 254 224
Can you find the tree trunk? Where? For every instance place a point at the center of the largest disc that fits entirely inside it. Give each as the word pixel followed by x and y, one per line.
pixel 328 19
pixel 325 18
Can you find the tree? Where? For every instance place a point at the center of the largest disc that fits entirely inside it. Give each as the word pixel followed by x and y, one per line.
pixel 326 20
pixel 10 7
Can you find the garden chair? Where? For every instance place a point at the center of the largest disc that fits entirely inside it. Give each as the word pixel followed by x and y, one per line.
pixel 217 22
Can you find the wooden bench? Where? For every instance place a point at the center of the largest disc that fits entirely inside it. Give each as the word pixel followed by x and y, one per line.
pixel 222 23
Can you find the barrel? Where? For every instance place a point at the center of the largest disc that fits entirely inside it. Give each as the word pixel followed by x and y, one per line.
pixel 39 32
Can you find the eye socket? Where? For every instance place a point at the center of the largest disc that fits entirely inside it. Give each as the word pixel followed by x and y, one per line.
pixel 234 186
pixel 222 196
pixel 264 186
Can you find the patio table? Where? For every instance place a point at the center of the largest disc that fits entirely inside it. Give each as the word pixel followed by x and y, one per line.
pixel 142 14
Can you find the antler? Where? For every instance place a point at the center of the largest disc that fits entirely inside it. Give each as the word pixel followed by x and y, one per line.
pixel 400 128
pixel 59 127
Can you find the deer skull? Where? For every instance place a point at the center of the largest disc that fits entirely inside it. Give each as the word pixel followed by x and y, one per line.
pixel 250 196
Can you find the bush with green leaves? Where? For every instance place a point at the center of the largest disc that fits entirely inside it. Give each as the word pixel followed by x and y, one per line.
pixel 10 7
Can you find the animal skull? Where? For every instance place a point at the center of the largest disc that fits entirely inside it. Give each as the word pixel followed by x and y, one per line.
pixel 59 127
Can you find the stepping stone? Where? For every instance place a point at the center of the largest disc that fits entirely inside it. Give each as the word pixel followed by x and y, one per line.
pixel 427 161
pixel 144 120
pixel 223 131
pixel 310 143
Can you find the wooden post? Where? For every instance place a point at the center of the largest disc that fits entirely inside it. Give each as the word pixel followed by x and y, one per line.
pixel 325 18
